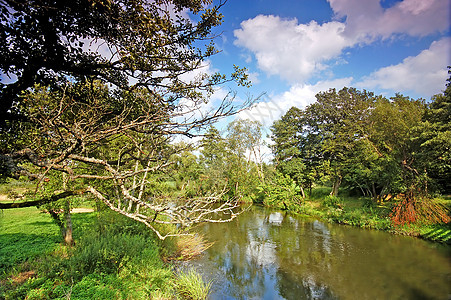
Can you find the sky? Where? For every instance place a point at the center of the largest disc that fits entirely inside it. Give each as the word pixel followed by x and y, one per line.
pixel 294 49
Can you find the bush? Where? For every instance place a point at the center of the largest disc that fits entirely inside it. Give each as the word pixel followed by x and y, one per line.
pixel 281 193
pixel 108 253
pixel 332 202
pixel 319 192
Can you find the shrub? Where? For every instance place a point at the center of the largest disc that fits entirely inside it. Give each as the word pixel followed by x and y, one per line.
pixel 281 193
pixel 190 285
pixel 332 202
pixel 410 210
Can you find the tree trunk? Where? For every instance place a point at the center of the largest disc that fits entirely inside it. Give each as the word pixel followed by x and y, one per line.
pixel 302 192
pixel 336 186
pixel 374 192
pixel 68 239
pixel 65 227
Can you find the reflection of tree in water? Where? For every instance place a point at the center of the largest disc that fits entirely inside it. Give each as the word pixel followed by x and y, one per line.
pixel 243 276
pixel 299 259
pixel 266 254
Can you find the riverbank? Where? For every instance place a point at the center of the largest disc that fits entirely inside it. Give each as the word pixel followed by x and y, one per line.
pixel 114 258
pixel 362 212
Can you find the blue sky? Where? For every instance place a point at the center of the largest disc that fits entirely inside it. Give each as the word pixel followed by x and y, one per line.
pixel 294 49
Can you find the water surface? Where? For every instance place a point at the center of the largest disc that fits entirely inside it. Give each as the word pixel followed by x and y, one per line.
pixel 268 254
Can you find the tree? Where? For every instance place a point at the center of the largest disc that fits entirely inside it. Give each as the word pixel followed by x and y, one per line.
pixel 392 133
pixel 129 44
pixel 323 139
pixel 340 119
pixel 243 141
pixel 294 149
pixel 107 123
pixel 435 139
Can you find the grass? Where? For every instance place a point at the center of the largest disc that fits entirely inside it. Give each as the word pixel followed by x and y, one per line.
pixel 25 233
pixel 362 212
pixel 114 258
pixel 190 285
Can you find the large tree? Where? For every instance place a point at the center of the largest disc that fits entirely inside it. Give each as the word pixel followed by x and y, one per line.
pixel 435 139
pixel 321 140
pixel 129 44
pixel 107 120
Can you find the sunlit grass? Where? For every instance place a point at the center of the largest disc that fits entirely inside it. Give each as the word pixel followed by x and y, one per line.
pixel 190 285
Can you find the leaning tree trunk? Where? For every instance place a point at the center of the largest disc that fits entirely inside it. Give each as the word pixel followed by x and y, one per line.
pixel 302 192
pixel 336 186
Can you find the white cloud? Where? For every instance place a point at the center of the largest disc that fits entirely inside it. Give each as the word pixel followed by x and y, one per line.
pixel 288 49
pixel 367 20
pixel 299 95
pixel 424 74
pixel 253 77
pixel 296 52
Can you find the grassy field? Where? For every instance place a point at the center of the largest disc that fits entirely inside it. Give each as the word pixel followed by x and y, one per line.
pixel 114 258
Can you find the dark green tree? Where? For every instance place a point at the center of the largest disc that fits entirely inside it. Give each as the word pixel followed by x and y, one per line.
pixel 295 149
pixel 323 140
pixel 435 139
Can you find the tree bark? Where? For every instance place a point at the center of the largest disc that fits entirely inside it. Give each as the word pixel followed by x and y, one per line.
pixel 68 239
pixel 336 186
pixel 302 192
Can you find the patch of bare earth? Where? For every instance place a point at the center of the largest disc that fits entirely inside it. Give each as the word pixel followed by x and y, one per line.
pixel 81 210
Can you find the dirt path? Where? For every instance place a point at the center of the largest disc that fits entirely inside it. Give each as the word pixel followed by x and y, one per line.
pixel 81 210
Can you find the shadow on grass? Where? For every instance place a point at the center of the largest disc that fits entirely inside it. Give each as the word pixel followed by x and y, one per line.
pixel 16 248
pixel 439 234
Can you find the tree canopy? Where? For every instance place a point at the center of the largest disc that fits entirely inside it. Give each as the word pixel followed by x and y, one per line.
pixel 99 91
pixel 129 44
pixel 378 146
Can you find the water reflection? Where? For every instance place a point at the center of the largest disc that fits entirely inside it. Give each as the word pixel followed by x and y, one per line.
pixel 268 254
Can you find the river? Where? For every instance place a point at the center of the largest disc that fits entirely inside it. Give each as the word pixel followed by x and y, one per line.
pixel 269 254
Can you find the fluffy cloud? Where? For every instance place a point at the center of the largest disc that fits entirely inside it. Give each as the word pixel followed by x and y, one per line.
pixel 367 20
pixel 296 51
pixel 424 74
pixel 288 49
pixel 299 95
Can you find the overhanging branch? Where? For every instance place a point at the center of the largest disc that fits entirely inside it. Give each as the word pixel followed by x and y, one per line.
pixel 41 201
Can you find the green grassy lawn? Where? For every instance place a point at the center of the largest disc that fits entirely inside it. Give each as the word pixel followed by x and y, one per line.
pixel 25 233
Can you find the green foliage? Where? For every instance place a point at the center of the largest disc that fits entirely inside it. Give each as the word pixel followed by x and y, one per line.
pixel 233 163
pixel 434 136
pixel 282 192
pixel 190 285
pixel 108 253
pixel 319 192
pixel 367 143
pixel 332 201
pixel 114 258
